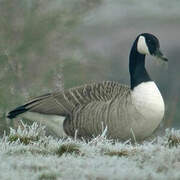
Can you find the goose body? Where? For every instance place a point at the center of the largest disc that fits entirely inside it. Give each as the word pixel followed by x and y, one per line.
pixel 125 111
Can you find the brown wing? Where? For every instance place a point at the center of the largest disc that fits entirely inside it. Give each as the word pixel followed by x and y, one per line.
pixel 63 102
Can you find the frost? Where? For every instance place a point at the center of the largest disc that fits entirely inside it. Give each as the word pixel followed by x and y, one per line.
pixel 45 157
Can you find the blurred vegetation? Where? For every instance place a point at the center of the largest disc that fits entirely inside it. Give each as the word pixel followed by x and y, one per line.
pixel 36 42
pixel 49 45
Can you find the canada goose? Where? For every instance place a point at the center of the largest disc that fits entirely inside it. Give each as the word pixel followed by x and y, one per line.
pixel 124 110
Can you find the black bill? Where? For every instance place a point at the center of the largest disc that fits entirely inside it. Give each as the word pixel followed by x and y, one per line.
pixel 158 54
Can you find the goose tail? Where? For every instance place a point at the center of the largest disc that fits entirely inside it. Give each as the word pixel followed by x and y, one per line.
pixel 27 107
pixel 19 110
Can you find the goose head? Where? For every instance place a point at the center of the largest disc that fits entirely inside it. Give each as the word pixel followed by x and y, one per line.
pixel 148 44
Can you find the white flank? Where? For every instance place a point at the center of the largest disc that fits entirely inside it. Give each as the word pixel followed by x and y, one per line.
pixel 149 103
pixel 142 46
pixel 52 122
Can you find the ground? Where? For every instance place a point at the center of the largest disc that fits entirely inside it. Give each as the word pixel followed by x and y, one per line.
pixel 27 153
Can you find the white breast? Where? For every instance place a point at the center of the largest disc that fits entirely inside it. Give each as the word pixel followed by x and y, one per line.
pixel 148 101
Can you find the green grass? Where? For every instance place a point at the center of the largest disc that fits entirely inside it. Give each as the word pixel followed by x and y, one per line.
pixel 120 153
pixel 22 139
pixel 173 141
pixel 68 148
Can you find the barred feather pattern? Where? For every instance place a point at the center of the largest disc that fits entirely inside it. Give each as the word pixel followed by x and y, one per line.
pixel 90 108
pixel 91 119
pixel 64 102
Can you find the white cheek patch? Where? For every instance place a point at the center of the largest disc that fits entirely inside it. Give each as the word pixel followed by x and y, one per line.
pixel 142 46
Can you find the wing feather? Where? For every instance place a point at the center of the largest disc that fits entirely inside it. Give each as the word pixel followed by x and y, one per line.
pixel 63 102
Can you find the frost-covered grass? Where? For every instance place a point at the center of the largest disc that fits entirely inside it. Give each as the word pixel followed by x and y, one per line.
pixel 27 153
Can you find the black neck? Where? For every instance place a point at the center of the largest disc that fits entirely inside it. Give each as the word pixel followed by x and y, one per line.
pixel 138 73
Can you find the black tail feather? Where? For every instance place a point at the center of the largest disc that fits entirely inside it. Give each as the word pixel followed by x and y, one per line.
pixel 19 110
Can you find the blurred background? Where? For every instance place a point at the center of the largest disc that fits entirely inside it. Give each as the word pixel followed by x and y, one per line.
pixel 51 45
